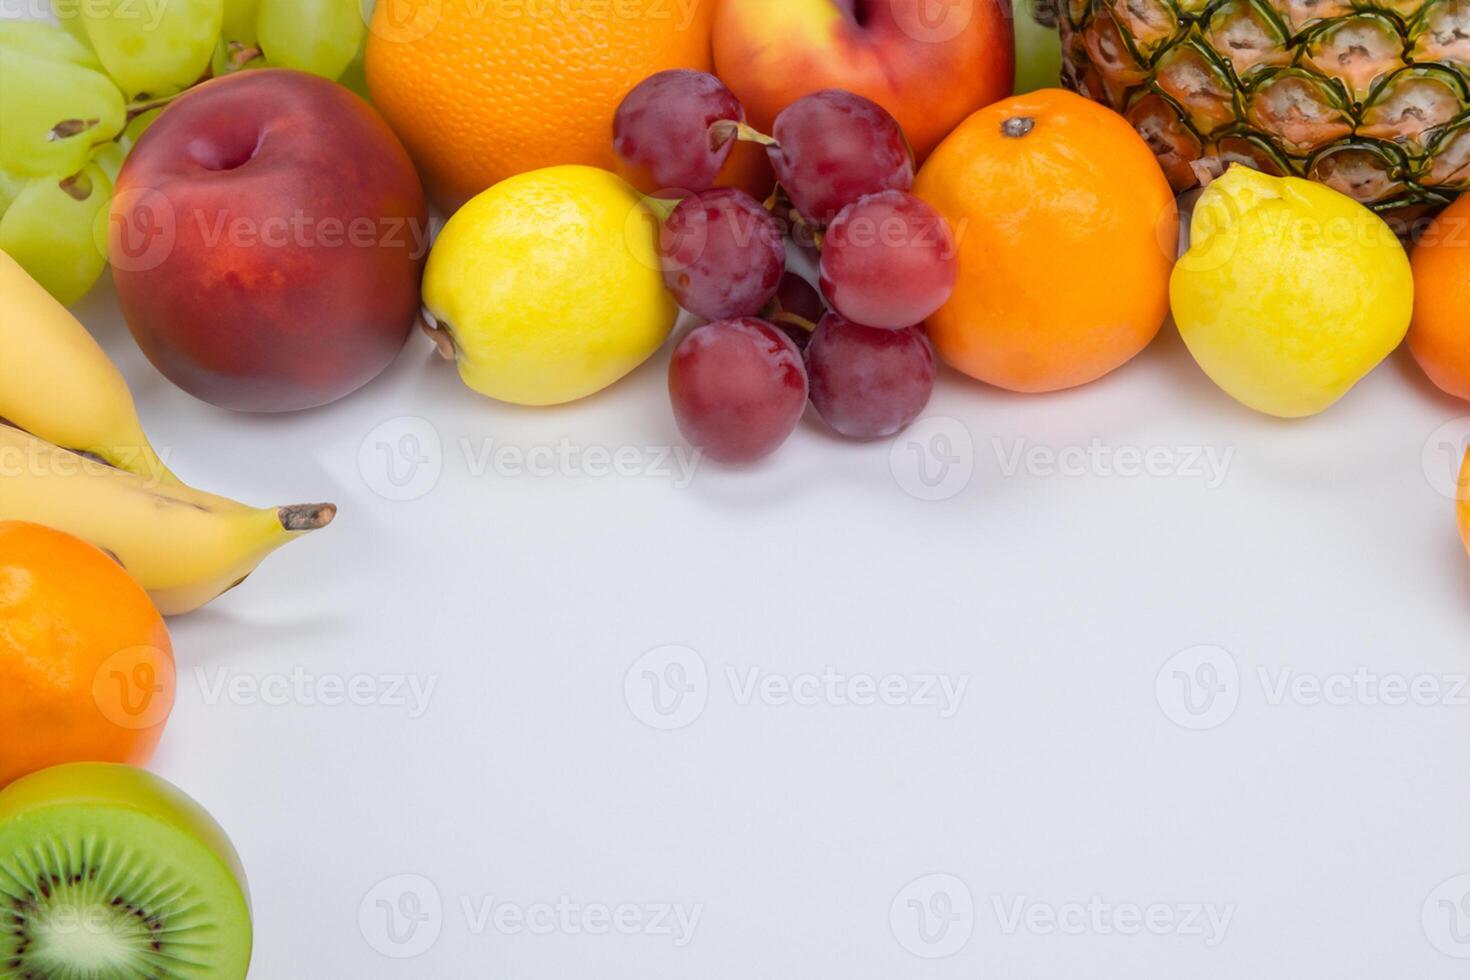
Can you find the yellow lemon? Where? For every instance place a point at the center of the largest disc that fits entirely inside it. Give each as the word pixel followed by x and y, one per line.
pixel 1290 292
pixel 548 285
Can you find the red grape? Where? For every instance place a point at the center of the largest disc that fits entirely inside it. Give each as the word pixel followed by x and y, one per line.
pixel 722 254
pixel 833 147
pixel 868 382
pixel 888 260
pixel 661 130
pixel 738 388
pixel 796 297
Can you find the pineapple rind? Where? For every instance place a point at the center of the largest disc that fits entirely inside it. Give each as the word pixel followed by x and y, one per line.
pixel 1335 90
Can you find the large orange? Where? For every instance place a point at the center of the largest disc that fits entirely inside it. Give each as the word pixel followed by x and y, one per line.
pixel 1440 333
pixel 1067 232
pixel 86 666
pixel 481 90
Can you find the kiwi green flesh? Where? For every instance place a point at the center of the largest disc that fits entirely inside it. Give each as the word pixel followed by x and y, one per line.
pixel 93 891
pixel 127 787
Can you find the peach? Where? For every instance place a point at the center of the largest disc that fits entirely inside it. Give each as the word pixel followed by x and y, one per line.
pixel 929 62
pixel 267 239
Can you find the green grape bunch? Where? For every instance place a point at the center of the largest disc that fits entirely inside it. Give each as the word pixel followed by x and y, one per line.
pixel 59 103
pixel 60 110
pixel 79 95
pixel 149 49
pixel 319 36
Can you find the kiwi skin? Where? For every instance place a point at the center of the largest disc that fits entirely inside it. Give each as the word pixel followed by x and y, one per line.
pixel 113 812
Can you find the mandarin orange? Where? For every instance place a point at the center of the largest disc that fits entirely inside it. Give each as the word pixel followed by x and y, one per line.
pixel 1439 335
pixel 86 665
pixel 1066 232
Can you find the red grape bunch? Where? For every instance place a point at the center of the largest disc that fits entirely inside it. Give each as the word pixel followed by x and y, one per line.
pixel 739 382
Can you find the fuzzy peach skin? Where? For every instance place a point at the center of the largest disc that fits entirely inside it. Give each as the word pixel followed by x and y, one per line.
pixel 929 62
pixel 267 238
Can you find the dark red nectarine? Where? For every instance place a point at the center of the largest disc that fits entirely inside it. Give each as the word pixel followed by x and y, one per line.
pixel 267 239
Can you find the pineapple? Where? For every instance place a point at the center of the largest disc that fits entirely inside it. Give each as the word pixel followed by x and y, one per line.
pixel 1371 97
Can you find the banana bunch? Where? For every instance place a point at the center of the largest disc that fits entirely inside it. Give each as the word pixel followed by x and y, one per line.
pixel 58 388
pixel 56 383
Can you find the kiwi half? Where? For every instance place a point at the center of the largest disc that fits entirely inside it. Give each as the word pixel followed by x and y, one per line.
pixel 107 871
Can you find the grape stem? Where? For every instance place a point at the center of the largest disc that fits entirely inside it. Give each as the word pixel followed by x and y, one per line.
pixel 138 108
pixel 721 131
pixel 68 128
pixel 791 319
pixel 804 229
pixel 802 232
pixel 661 206
pixel 241 54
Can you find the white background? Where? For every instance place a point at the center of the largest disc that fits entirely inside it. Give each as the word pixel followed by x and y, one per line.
pixel 1076 605
pixel 1067 772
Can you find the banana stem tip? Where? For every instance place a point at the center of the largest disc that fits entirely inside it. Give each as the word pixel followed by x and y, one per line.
pixel 307 517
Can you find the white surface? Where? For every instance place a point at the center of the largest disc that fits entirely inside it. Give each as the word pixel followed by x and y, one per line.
pixel 1068 604
pixel 1322 830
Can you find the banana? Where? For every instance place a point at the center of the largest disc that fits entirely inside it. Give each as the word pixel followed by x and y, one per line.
pixel 56 382
pixel 183 546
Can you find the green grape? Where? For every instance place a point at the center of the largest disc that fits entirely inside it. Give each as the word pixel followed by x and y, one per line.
pixel 10 188
pixel 51 230
pixel 46 41
pixel 240 20
pixel 153 48
pixel 42 94
pixel 69 15
pixel 319 36
pixel 1038 45
pixel 355 77
pixel 110 158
